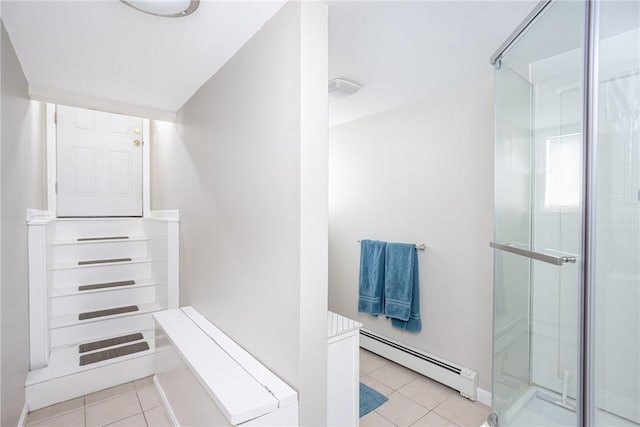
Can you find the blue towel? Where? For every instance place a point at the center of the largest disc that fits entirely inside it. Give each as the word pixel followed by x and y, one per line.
pixel 401 287
pixel 371 289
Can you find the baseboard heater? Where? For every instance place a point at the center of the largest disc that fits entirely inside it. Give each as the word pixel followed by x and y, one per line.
pixel 457 377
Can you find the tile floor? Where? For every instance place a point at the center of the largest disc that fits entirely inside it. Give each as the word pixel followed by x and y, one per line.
pixel 135 404
pixel 413 401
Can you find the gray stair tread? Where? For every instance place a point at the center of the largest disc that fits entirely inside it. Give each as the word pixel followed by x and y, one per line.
pixel 106 285
pixel 111 353
pixel 70 320
pixel 103 261
pixel 83 348
pixel 87 239
pixel 108 312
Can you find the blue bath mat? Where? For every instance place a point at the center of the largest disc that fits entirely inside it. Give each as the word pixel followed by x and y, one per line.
pixel 369 399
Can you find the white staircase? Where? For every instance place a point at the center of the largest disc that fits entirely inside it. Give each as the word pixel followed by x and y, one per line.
pixel 93 286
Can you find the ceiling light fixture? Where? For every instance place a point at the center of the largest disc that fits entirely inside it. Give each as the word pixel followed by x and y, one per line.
pixel 164 8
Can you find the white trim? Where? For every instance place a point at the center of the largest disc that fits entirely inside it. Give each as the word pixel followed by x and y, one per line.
pixel 38 301
pixel 50 127
pixel 56 96
pixel 212 365
pixel 170 215
pixel 173 264
pixel 60 388
pixel 38 216
pixel 146 167
pixel 484 396
pixel 23 415
pixel 279 389
pixel 165 401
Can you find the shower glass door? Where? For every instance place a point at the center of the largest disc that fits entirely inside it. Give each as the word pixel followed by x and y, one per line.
pixel 616 236
pixel 539 105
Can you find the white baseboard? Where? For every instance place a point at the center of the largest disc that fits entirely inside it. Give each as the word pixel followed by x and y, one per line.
pixel 23 415
pixel 457 377
pixel 484 397
pixel 165 401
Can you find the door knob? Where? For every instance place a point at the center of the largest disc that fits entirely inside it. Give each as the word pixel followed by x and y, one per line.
pixel 136 142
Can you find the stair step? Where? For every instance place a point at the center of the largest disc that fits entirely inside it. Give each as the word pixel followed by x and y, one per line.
pixel 73 265
pixel 107 312
pixel 112 353
pixel 106 285
pixel 87 239
pixel 73 290
pixel 96 345
pixel 72 251
pixel 87 379
pixel 66 321
pixel 63 360
pixel 104 261
pixel 68 229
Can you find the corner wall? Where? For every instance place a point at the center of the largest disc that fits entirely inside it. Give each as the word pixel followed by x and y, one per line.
pixel 422 172
pixel 245 163
pixel 22 156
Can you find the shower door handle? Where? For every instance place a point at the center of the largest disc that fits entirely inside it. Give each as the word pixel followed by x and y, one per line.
pixel 551 259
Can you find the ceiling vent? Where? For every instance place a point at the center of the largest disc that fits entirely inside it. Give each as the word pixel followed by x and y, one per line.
pixel 341 88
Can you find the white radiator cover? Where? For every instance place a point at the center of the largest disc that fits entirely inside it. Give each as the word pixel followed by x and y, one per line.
pixel 457 377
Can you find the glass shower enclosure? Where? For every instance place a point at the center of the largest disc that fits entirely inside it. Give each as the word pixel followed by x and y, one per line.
pixel 566 343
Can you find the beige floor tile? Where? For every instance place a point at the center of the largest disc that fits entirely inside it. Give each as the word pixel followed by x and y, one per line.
pixel 112 410
pixel 70 419
pixel 401 410
pixel 143 381
pixel 393 376
pixel 434 420
pixel 148 396
pixel 135 421
pixel 463 411
pixel 426 392
pixel 109 393
pixel 373 419
pixel 376 385
pixel 370 361
pixel 158 417
pixel 55 410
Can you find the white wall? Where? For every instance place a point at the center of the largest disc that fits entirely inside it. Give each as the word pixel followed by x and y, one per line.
pixel 422 172
pixel 1 335
pixel 22 187
pixel 246 165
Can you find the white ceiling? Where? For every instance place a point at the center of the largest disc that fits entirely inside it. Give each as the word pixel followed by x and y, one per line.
pixel 106 50
pixel 102 52
pixel 404 51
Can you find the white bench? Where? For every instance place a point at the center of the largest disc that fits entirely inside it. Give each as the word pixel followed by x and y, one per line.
pixel 205 378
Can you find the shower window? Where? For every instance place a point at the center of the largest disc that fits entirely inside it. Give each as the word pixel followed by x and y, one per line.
pixel 562 175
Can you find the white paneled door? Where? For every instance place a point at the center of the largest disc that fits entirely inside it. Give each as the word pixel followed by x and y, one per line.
pixel 99 163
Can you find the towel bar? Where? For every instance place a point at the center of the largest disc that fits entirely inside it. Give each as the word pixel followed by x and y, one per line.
pixel 419 246
pixel 551 259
